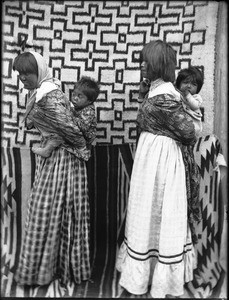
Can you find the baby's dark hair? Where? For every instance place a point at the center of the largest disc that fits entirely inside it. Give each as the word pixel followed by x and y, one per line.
pixel 89 87
pixel 192 74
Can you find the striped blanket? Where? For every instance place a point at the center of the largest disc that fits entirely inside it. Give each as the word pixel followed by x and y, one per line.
pixel 109 171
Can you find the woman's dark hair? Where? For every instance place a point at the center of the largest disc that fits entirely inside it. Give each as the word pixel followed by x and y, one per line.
pixel 191 74
pixel 161 60
pixel 25 63
pixel 89 87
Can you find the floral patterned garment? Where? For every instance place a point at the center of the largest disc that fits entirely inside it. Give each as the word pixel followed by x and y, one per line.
pixel 52 115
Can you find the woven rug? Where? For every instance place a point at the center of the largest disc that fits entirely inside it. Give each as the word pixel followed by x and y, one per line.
pixel 208 155
pixel 109 172
pixel 103 39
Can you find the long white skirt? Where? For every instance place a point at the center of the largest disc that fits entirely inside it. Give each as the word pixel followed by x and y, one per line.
pixel 157 250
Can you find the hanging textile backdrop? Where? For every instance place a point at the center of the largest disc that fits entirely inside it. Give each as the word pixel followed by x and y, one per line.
pixel 103 39
pixel 109 172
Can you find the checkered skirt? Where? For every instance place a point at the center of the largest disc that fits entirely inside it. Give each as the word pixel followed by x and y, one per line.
pixel 56 240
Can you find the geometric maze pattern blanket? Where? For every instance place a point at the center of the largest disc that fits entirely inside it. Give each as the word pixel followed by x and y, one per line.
pixel 103 40
pixel 208 155
pixel 109 171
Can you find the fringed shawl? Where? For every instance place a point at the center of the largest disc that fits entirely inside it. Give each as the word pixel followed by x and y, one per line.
pixel 163 114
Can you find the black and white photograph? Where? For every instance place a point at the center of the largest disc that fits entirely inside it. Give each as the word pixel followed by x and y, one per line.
pixel 114 125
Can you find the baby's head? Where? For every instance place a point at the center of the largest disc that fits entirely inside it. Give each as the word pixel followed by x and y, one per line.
pixel 190 75
pixel 85 92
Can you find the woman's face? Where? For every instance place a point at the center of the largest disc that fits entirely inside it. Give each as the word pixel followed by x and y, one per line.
pixel 29 80
pixel 144 69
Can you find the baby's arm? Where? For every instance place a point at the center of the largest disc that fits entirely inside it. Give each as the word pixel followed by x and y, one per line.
pixel 194 101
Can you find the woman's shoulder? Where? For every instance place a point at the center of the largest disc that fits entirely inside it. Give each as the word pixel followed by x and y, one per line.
pixel 164 99
pixel 56 92
pixel 165 91
pixel 57 95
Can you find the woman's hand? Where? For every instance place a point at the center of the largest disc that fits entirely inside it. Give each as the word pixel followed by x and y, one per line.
pixel 144 88
pixel 29 123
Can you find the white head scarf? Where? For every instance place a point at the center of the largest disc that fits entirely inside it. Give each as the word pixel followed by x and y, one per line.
pixel 46 83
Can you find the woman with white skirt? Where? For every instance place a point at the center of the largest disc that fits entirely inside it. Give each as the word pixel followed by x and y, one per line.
pixel 157 254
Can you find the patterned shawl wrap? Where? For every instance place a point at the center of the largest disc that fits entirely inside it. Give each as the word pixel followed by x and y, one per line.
pixel 48 109
pixel 163 114
pixel 52 116
pixel 46 83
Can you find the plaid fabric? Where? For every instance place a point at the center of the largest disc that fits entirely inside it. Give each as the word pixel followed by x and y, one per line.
pixel 56 242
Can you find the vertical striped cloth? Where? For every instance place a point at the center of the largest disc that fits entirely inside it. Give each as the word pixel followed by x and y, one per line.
pixel 109 171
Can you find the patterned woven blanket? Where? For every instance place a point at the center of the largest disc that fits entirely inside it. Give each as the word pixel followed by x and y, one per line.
pixel 109 172
pixel 103 39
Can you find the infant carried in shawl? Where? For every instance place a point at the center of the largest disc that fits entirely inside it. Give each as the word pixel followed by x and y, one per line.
pixel 82 111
